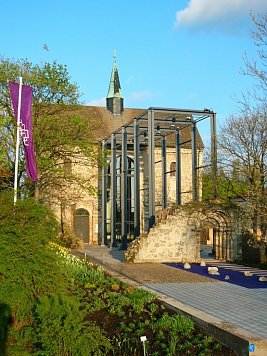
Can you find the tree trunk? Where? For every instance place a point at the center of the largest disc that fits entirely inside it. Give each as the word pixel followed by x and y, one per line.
pixel 262 251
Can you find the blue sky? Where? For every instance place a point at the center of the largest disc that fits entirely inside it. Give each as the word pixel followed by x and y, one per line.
pixel 172 53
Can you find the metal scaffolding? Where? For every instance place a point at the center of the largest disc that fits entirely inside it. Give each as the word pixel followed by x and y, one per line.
pixel 154 128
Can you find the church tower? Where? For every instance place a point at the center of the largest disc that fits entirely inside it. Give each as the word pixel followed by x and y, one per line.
pixel 114 100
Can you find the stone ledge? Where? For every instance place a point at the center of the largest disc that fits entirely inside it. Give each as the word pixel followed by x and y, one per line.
pixel 161 259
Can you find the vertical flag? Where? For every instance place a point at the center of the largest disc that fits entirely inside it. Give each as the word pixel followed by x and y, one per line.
pixel 25 124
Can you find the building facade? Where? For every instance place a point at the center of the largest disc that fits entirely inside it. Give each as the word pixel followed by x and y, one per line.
pixel 153 160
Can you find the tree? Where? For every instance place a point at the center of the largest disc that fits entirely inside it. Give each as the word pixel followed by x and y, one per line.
pixel 228 183
pixel 257 69
pixel 61 135
pixel 243 144
pixel 243 139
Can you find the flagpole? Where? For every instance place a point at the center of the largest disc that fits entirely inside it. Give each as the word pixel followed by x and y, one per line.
pixel 17 144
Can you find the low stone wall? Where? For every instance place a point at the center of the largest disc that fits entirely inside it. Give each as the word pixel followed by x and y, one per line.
pixel 173 239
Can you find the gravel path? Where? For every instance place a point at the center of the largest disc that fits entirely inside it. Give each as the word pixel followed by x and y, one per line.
pixel 158 273
pixel 148 272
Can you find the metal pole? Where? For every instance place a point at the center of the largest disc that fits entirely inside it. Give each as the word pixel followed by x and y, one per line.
pixel 163 165
pixel 136 179
pixel 213 154
pixel 104 197
pixel 113 193
pixel 151 169
pixel 17 144
pixel 194 164
pixel 124 171
pixel 178 167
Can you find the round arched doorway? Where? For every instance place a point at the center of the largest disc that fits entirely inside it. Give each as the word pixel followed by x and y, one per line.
pixel 216 228
pixel 81 224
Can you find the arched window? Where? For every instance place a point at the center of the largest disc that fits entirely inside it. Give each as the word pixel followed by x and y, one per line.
pixel 173 169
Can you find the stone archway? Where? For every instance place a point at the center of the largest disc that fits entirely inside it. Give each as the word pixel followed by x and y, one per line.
pixel 219 223
pixel 81 224
pixel 207 240
pixel 176 236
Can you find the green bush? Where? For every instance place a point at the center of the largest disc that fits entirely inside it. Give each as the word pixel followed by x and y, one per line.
pixel 36 288
pixel 61 329
pixel 28 266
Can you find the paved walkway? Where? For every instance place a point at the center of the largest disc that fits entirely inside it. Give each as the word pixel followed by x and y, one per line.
pixel 242 307
pixel 234 305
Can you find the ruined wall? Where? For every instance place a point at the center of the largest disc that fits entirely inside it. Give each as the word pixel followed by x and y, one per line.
pixel 175 238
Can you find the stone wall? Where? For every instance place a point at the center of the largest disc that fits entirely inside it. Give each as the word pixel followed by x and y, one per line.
pixel 186 179
pixel 75 197
pixel 176 235
pixel 174 238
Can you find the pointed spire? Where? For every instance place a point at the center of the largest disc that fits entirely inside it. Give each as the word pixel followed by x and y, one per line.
pixel 114 84
pixel 114 97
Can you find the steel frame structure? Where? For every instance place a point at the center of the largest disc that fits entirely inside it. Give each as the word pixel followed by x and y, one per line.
pixel 144 132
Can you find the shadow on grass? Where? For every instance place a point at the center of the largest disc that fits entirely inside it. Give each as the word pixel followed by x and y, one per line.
pixel 5 323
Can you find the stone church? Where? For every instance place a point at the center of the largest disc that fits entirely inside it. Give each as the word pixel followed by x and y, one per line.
pixel 153 162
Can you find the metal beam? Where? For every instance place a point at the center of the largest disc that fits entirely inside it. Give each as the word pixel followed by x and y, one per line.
pixel 194 164
pixel 151 169
pixel 163 175
pixel 124 171
pixel 104 197
pixel 136 179
pixel 113 193
pixel 178 168
pixel 181 111
pixel 197 115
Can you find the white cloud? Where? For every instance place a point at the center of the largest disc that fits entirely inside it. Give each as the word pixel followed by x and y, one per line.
pixel 140 95
pixel 97 102
pixel 205 11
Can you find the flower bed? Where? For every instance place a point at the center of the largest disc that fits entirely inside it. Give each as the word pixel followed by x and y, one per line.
pixel 126 314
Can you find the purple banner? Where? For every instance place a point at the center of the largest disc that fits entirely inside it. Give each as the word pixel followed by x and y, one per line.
pixel 25 124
